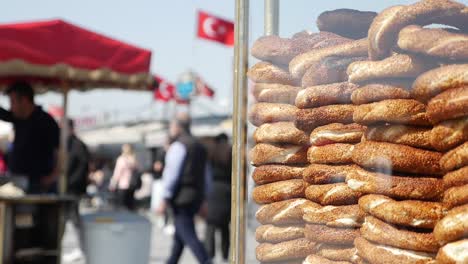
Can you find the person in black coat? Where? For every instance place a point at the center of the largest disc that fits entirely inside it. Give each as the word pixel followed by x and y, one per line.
pixel 219 200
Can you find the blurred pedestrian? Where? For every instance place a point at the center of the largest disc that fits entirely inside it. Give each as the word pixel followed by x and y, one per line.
pixel 125 178
pixel 219 199
pixel 184 188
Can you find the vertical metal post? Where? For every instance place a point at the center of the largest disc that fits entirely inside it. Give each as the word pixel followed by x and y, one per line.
pixel 239 177
pixel 63 155
pixel 271 26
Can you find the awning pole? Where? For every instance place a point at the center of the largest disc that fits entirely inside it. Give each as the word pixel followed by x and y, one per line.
pixel 271 18
pixel 63 143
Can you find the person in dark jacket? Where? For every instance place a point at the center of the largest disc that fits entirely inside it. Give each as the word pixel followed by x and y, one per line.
pixel 184 179
pixel 219 200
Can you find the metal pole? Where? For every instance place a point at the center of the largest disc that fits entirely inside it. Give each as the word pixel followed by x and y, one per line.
pixel 271 17
pixel 239 177
pixel 63 154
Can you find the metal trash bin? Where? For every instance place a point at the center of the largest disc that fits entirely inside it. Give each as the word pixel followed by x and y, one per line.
pixel 116 237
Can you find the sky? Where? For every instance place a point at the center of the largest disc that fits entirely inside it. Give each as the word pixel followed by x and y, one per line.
pixel 167 28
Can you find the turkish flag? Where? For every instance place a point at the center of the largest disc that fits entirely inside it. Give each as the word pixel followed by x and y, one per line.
pixel 215 28
pixel 164 90
pixel 203 89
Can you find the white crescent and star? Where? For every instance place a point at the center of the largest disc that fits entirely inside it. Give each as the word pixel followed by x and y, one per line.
pixel 210 31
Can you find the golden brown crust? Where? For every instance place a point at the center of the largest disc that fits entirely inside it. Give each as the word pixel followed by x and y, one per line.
pixel 284 251
pixel 396 66
pixel 265 72
pixel 453 226
pixel 379 254
pixel 330 235
pixel 275 93
pixel 383 32
pixel 346 22
pixel 412 213
pixel 395 186
pixel 376 92
pixel 453 253
pixel 456 196
pixel 281 133
pixel 337 133
pixel 279 191
pixel 328 94
pixel 336 216
pixel 449 134
pixel 332 194
pixel 338 153
pixel 456 178
pixel 448 105
pixel 435 81
pixel 380 232
pixel 273 173
pixel 418 137
pixel 434 42
pixel 262 113
pixel 315 259
pixel 277 234
pixel 301 63
pixel 263 154
pixel 394 157
pixel 309 119
pixel 337 252
pixel 456 158
pixel 285 212
pixel 330 69
pixel 281 51
pixel 397 111
pixel 323 174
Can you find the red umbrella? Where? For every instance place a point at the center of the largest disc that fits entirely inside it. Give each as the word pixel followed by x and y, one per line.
pixel 56 51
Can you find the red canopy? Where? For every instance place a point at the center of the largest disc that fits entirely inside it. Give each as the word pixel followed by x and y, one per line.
pixel 55 50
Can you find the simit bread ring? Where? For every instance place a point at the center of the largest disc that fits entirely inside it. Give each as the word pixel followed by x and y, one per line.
pixel 275 93
pixel 380 232
pixel 418 137
pixel 375 92
pixel 453 226
pixel 394 186
pixel 329 70
pixel 338 153
pixel 330 235
pixel 336 216
pixel 337 133
pixel 396 66
pixel 449 134
pixel 277 234
pixel 450 104
pixel 456 196
pixel 279 191
pixel 346 22
pixel 301 63
pixel 280 132
pixel 315 259
pixel 284 212
pixel 456 158
pixel 284 251
pixel 262 113
pixel 396 157
pixel 281 51
pixel 273 173
pixel 309 119
pixel 453 253
pixel 378 254
pixel 322 174
pixel 337 253
pixel 434 42
pixel 383 32
pixel 435 81
pixel 456 178
pixel 411 213
pixel 332 194
pixel 263 154
pixel 398 111
pixel 335 93
pixel 265 72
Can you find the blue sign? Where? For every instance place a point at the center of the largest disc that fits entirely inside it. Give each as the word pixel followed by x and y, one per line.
pixel 185 90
